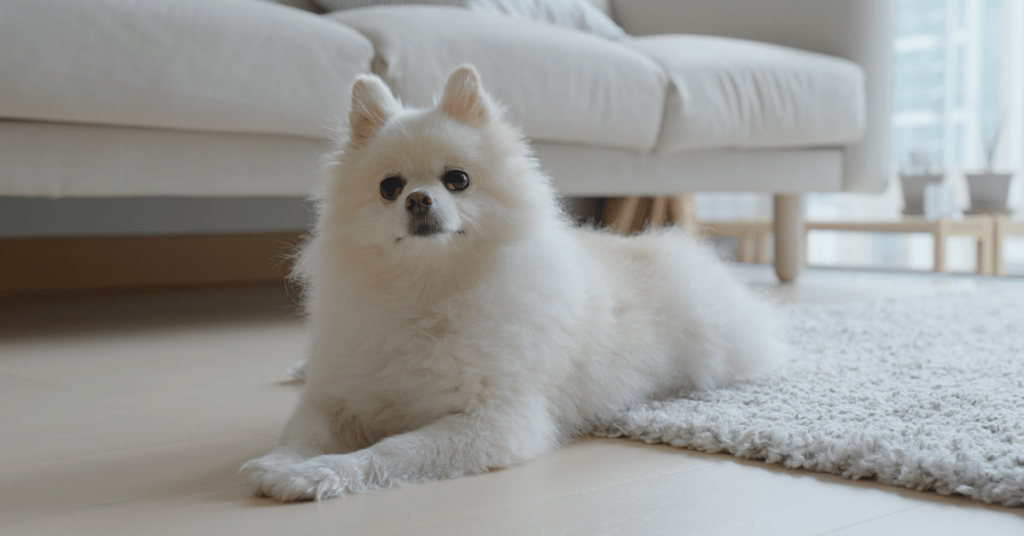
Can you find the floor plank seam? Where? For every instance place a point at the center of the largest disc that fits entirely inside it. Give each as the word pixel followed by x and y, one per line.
pixel 533 501
pixel 883 516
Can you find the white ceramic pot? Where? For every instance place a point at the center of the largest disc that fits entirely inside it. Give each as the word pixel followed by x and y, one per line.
pixel 989 192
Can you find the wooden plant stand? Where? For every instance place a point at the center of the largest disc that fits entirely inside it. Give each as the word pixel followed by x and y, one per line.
pixel 627 215
pixel 980 227
pixel 1002 227
pixel 989 231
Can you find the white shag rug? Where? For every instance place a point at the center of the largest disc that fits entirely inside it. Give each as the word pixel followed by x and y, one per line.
pixel 925 393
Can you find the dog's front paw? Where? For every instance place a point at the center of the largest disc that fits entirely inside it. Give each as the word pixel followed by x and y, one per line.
pixel 286 479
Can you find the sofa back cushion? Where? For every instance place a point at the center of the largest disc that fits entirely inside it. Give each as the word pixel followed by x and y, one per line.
pixel 734 93
pixel 561 85
pixel 213 65
pixel 590 16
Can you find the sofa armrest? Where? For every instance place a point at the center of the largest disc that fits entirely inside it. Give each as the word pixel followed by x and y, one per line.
pixel 858 30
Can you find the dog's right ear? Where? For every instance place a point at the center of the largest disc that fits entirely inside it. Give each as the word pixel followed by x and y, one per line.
pixel 372 105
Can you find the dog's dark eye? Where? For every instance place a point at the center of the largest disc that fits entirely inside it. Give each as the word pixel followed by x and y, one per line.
pixel 391 187
pixel 456 181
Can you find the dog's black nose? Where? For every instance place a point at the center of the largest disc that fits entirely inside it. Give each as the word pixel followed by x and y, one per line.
pixel 418 203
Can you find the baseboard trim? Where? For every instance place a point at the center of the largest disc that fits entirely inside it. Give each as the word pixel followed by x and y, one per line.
pixel 32 266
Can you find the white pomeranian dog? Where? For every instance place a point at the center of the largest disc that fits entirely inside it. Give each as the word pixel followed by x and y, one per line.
pixel 460 322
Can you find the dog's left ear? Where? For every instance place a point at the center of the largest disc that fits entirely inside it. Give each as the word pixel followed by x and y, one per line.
pixel 464 97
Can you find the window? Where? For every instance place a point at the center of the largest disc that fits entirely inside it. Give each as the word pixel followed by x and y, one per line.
pixel 958 104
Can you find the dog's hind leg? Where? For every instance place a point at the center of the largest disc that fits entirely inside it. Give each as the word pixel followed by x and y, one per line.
pixel 461 444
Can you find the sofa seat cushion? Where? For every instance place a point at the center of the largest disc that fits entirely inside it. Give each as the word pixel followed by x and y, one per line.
pixel 212 65
pixel 562 85
pixel 733 93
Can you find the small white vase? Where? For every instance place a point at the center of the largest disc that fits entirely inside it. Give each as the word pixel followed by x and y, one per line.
pixel 940 203
pixel 913 191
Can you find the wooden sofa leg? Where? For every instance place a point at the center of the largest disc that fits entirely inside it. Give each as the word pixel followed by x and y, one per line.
pixel 619 213
pixel 789 240
pixel 682 210
pixel 659 212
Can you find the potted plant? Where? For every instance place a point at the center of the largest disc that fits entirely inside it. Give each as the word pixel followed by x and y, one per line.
pixel 989 191
pixel 915 180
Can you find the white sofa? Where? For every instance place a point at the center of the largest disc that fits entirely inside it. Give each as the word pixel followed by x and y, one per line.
pixel 232 98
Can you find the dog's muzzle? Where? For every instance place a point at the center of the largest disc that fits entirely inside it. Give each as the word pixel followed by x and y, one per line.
pixel 423 221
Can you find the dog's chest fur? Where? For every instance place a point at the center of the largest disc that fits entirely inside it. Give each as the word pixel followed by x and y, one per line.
pixel 403 377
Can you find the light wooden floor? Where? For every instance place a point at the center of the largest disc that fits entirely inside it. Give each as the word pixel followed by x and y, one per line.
pixel 131 415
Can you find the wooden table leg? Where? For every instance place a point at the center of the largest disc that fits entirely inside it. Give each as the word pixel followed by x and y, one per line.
pixel 939 233
pixel 998 266
pixel 985 248
pixel 745 251
pixel 762 243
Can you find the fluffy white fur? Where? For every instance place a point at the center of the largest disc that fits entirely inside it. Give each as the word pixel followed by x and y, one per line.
pixel 500 331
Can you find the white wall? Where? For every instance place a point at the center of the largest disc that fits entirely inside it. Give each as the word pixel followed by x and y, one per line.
pixel 29 216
